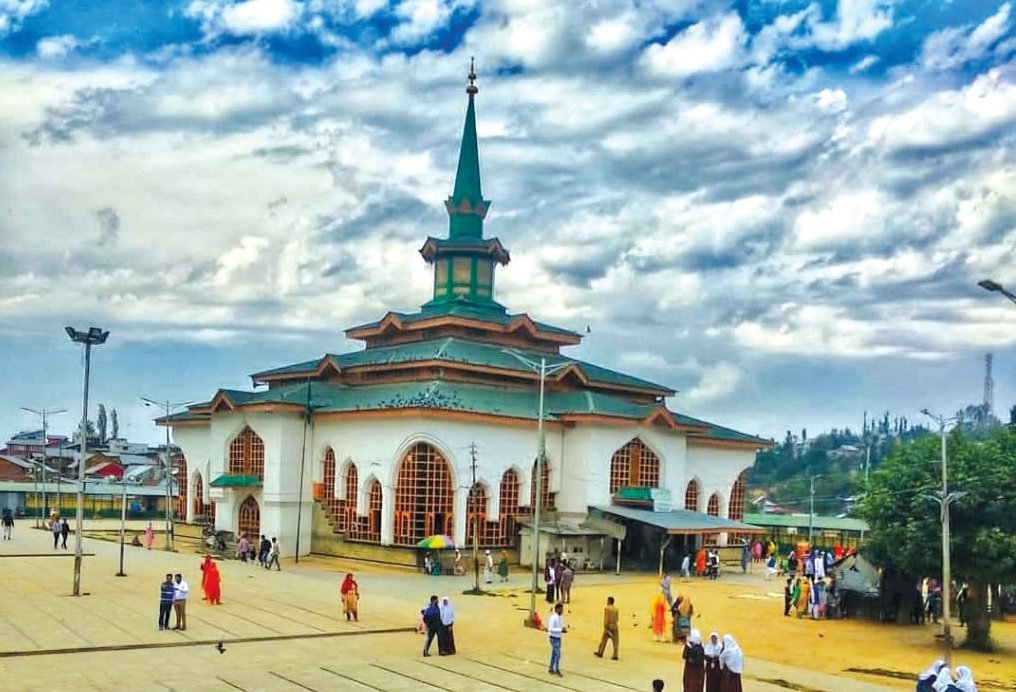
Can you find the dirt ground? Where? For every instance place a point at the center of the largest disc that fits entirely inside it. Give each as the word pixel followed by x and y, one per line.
pixel 751 609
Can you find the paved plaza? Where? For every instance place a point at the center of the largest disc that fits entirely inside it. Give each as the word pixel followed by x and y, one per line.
pixel 284 631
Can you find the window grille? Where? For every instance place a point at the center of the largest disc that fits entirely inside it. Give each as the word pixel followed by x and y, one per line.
pixel 691 496
pixel 424 496
pixel 247 454
pixel 367 529
pixel 634 465
pixel 249 523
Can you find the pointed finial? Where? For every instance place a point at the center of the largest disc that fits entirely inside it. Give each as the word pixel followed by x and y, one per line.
pixel 472 89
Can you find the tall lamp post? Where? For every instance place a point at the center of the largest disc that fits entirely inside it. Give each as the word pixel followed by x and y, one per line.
pixel 543 370
pixel 168 407
pixel 944 499
pixel 123 520
pixel 93 337
pixel 995 287
pixel 45 413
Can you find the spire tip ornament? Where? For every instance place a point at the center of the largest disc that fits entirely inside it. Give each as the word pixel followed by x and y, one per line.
pixel 472 89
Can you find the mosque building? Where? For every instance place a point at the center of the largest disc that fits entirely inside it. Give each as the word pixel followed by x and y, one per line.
pixel 431 428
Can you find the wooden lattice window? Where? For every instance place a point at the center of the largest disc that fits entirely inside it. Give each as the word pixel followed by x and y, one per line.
pixel 346 507
pixel 476 517
pixel 201 508
pixel 249 520
pixel 181 484
pixel 328 473
pixel 634 465
pixel 735 509
pixel 424 496
pixel 508 507
pixel 367 528
pixel 691 496
pixel 713 509
pixel 548 499
pixel 247 454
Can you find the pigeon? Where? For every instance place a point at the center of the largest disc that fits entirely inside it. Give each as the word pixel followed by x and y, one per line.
pixel 220 648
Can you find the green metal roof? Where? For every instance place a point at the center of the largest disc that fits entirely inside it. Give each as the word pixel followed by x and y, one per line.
pixel 718 432
pixel 678 521
pixel 236 480
pixel 800 521
pixel 453 349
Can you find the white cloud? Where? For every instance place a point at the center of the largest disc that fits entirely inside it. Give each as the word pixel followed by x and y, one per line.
pixel 245 18
pixel 420 18
pixel 863 64
pixel 956 46
pixel 13 12
pixel 855 21
pixel 56 46
pixel 716 381
pixel 848 217
pixel 712 45
pixel 831 100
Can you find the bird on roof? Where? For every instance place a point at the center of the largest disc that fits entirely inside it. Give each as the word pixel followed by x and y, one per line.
pixel 220 648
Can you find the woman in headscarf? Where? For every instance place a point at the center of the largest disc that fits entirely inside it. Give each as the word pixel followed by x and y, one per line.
pixel 714 674
pixel 732 663
pixel 926 680
pixel 658 612
pixel 214 586
pixel 502 566
pixel 149 536
pixel 700 562
pixel 205 569
pixel 694 656
pixel 448 626
pixel 803 598
pixel 965 680
pixel 682 612
pixel 350 595
pixel 944 680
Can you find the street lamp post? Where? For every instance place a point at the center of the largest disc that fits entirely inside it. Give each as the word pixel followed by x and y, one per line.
pixel 944 500
pixel 123 521
pixel 45 413
pixel 93 337
pixel 168 407
pixel 540 367
pixel 995 287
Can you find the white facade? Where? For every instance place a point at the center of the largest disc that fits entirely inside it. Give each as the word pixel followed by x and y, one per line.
pixel 579 459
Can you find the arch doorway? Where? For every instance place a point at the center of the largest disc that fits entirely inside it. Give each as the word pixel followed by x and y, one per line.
pixel 249 520
pixel 202 510
pixel 424 495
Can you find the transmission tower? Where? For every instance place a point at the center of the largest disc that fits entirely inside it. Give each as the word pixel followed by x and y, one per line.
pixel 989 390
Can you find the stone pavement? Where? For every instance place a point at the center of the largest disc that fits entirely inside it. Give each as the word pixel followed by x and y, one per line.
pixel 284 631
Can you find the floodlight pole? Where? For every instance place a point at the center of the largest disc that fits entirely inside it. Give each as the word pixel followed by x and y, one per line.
pixel 123 520
pixel 94 336
pixel 944 503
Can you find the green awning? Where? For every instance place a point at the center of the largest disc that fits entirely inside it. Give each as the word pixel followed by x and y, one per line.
pixel 634 494
pixel 236 480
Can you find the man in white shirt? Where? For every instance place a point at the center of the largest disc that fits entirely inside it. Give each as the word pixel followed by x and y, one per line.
pixel 556 628
pixel 180 592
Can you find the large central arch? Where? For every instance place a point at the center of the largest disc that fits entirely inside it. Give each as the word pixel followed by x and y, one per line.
pixel 424 495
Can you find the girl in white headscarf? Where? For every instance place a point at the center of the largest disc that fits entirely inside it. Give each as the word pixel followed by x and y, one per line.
pixel 944 680
pixel 926 680
pixel 694 656
pixel 965 679
pixel 447 626
pixel 714 675
pixel 732 663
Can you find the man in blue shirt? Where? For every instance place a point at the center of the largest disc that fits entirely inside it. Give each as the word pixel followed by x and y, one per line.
pixel 555 628
pixel 432 619
pixel 166 591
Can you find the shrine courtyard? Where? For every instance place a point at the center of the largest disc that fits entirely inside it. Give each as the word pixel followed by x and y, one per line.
pixel 284 631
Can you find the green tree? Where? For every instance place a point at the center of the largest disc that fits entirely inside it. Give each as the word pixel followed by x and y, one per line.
pixel 101 424
pixel 905 526
pixel 114 425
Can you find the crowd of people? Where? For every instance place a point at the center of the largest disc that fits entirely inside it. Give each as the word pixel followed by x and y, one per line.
pixel 939 678
pixel 266 553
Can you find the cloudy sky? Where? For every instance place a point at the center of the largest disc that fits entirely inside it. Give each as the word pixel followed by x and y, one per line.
pixel 780 208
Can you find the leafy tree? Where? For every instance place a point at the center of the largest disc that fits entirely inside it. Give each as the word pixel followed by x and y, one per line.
pixel 905 526
pixel 114 425
pixel 101 424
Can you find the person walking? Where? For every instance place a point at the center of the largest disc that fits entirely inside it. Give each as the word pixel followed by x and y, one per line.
pixel 488 567
pixel 180 592
pixel 8 524
pixel 665 584
pixel 263 549
pixel 166 591
pixel 243 548
pixel 555 630
pixel 273 557
pixel 502 566
pixel 686 567
pixel 732 664
pixel 432 620
pixel 65 531
pixel 149 536
pixel 54 526
pixel 447 627
pixel 611 632
pixel 788 596
pixel 694 656
pixel 350 594
pixel 212 582
pixel 658 616
pixel 549 580
pixel 567 579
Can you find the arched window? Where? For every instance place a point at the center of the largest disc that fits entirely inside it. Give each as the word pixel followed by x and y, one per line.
pixel 548 499
pixel 348 503
pixel 735 510
pixel 181 484
pixel 476 516
pixel 424 496
pixel 634 465
pixel 249 519
pixel 247 454
pixel 328 473
pixel 713 509
pixel 508 508
pixel 691 496
pixel 368 528
pixel 202 511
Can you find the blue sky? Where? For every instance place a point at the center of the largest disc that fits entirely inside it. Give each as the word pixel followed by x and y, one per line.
pixel 778 207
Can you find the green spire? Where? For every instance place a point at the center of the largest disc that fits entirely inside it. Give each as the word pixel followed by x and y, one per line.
pixel 466 207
